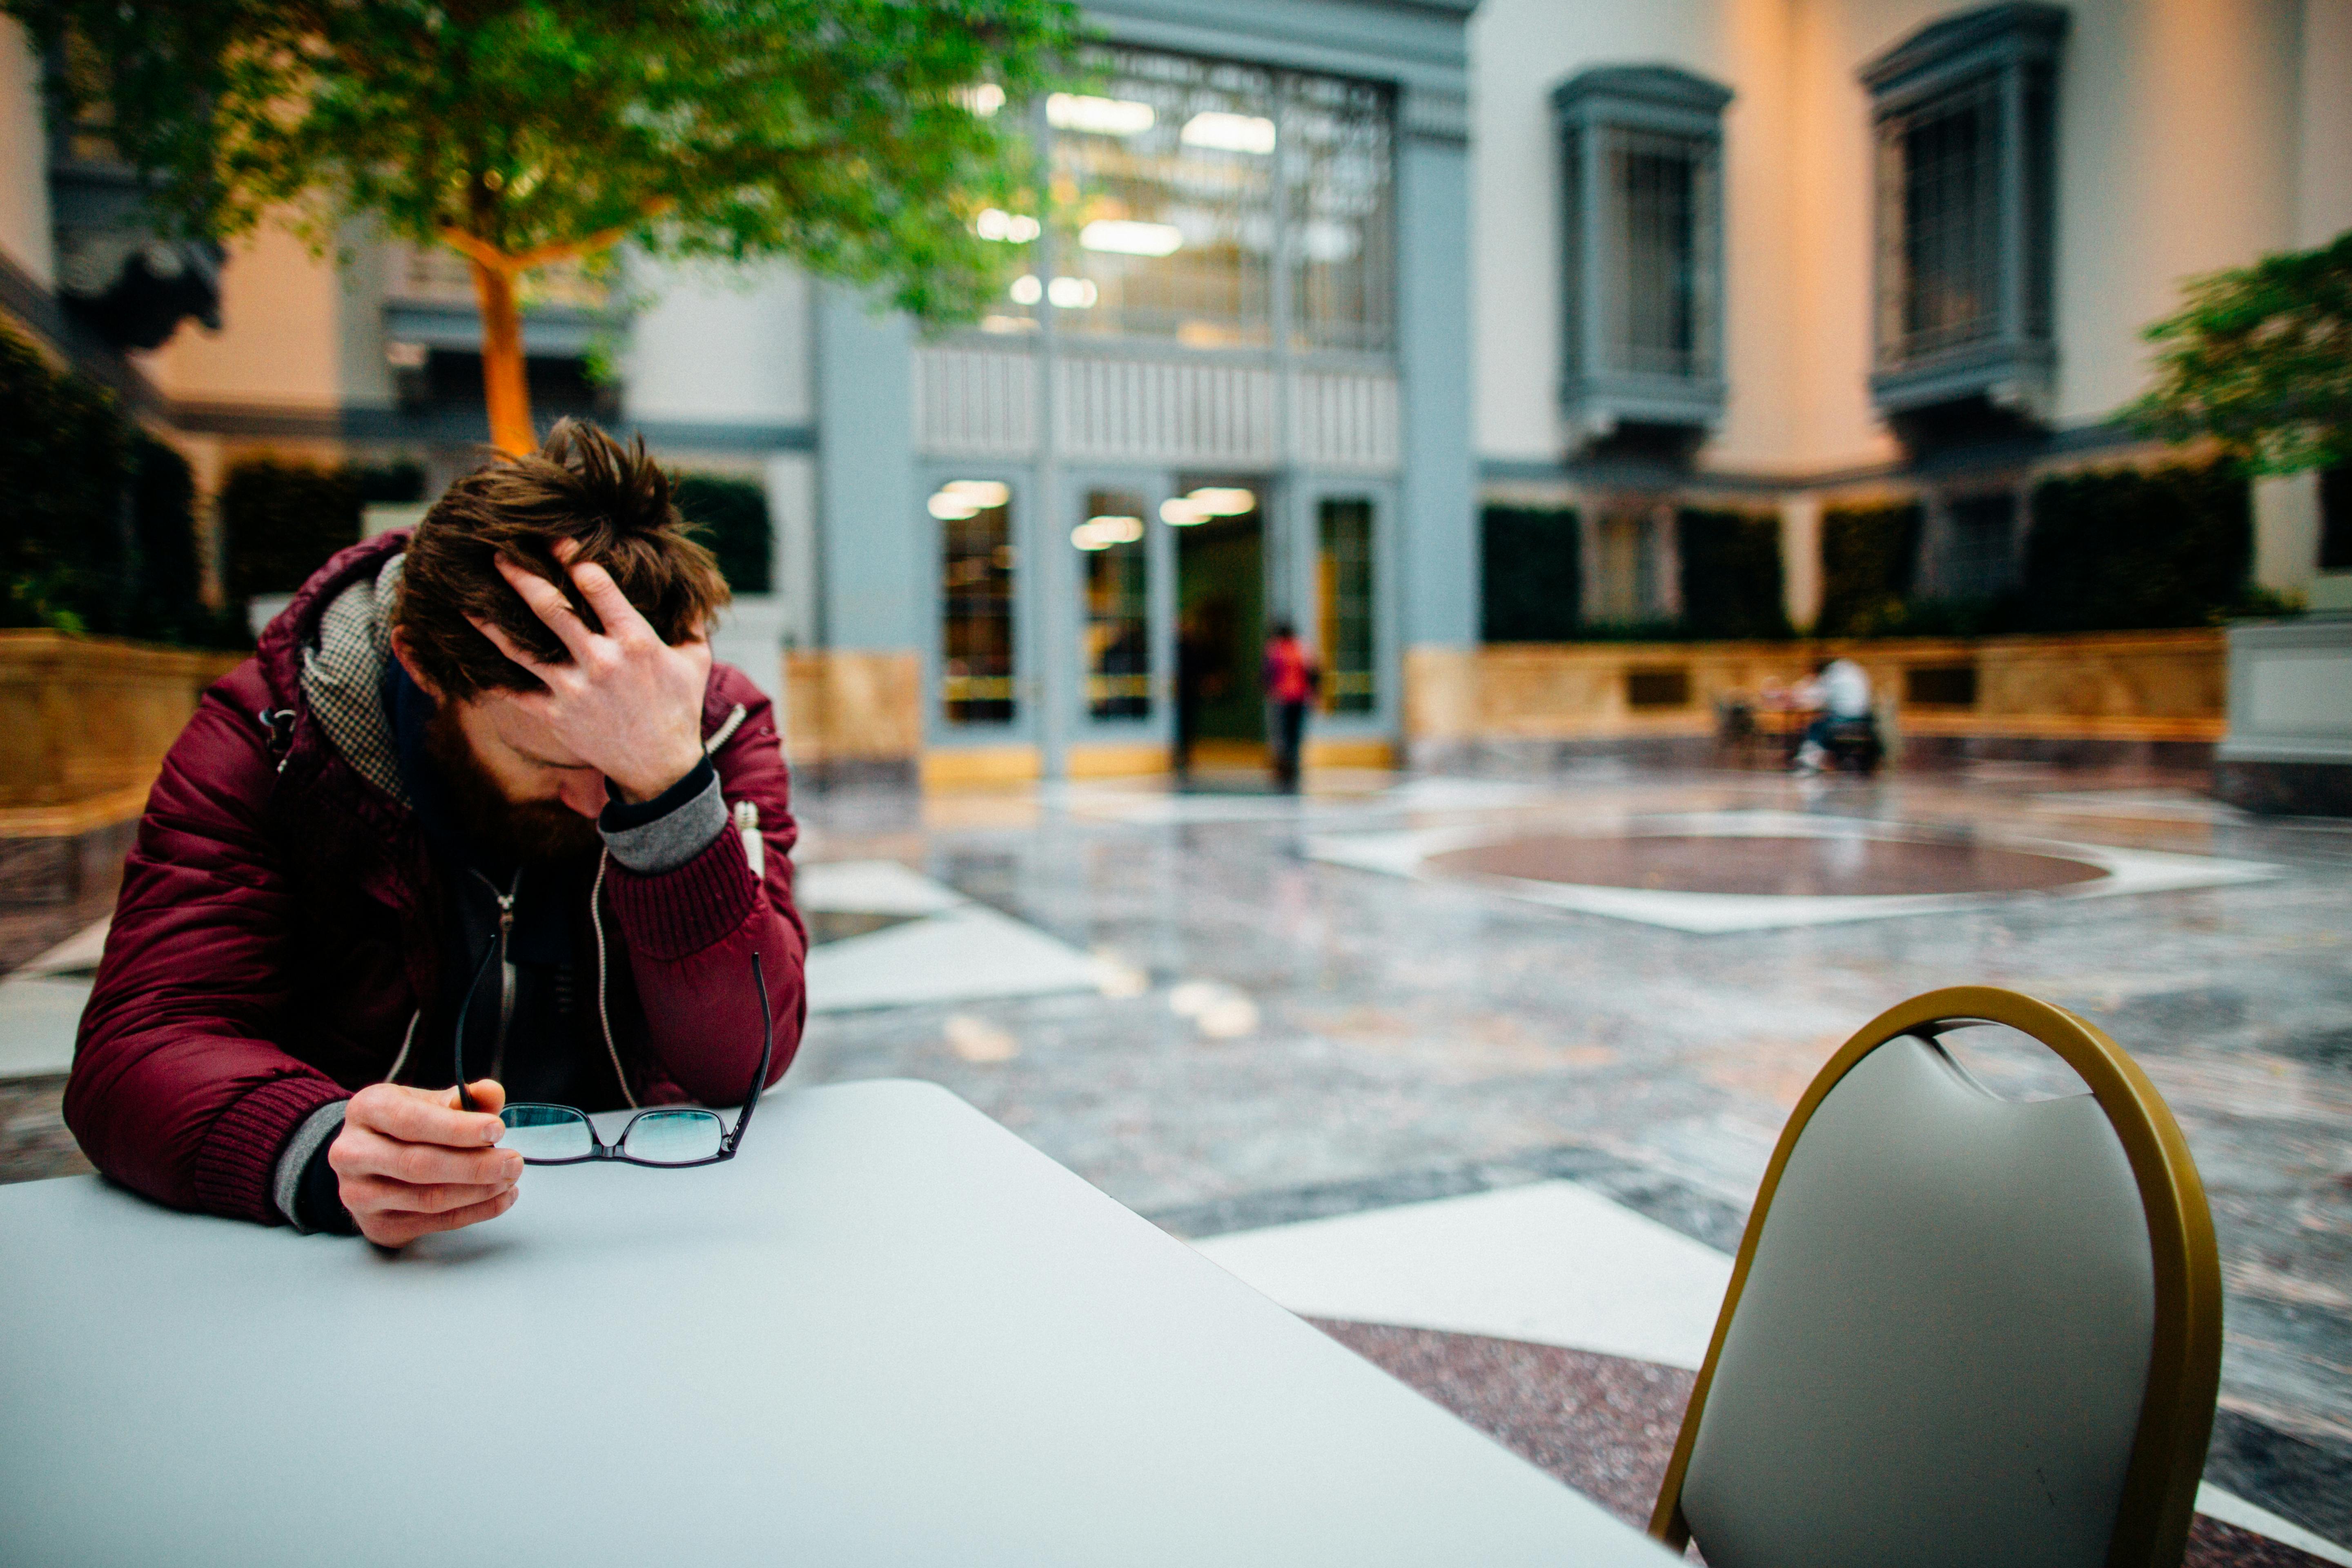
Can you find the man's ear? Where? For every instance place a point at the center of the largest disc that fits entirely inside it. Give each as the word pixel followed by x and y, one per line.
pixel 404 650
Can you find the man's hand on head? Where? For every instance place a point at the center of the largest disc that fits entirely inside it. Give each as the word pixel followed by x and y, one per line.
pixel 408 1162
pixel 628 705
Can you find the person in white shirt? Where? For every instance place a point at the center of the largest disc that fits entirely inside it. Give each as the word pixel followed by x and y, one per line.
pixel 1841 690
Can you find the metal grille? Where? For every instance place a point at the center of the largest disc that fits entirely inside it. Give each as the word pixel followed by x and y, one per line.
pixel 1940 225
pixel 1344 572
pixel 1337 186
pixel 1146 411
pixel 1118 628
pixel 1662 295
pixel 1341 421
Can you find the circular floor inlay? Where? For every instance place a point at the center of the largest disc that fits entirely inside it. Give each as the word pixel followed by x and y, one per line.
pixel 1789 866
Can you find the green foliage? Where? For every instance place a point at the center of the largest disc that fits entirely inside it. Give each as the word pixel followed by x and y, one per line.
pixel 2261 361
pixel 731 516
pixel 1868 557
pixel 832 131
pixel 1731 574
pixel 1532 575
pixel 281 520
pixel 2126 548
pixel 64 449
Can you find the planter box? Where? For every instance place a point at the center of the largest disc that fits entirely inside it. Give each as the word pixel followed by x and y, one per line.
pixel 2289 747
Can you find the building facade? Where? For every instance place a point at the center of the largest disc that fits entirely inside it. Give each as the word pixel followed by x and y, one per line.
pixel 1321 280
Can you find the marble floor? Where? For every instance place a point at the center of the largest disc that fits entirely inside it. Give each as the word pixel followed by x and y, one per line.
pixel 1239 1012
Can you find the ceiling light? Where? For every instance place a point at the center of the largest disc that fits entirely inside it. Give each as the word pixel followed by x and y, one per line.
pixel 1102 532
pixel 1229 132
pixel 1213 501
pixel 1124 236
pixel 1178 511
pixel 982 99
pixel 1074 293
pixel 949 506
pixel 1027 290
pixel 982 493
pixel 1016 228
pixel 1099 116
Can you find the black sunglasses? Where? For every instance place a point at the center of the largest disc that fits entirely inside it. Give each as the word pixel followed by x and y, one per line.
pixel 668 1138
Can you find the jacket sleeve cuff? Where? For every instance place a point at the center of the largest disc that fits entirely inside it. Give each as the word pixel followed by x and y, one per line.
pixel 303 1185
pixel 236 1167
pixel 673 914
pixel 665 832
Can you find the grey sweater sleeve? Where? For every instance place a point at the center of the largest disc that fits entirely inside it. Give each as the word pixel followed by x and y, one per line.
pixel 663 834
pixel 317 1129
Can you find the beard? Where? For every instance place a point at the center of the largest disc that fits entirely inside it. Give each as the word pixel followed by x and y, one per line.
pixel 530 830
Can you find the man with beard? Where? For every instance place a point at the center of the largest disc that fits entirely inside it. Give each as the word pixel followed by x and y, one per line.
pixel 480 801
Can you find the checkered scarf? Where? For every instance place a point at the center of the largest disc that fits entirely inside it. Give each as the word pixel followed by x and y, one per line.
pixel 342 678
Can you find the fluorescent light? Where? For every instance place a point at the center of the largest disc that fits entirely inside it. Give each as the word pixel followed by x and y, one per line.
pixel 983 98
pixel 982 493
pixel 949 506
pixel 1017 228
pixel 1229 132
pixel 1178 511
pixel 1213 501
pixel 1074 293
pixel 1027 290
pixel 1099 116
pixel 1102 532
pixel 1003 325
pixel 1124 236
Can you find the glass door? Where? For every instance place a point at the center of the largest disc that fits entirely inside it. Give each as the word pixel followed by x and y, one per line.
pixel 980 688
pixel 1121 613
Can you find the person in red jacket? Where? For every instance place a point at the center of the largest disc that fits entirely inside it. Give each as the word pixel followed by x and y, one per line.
pixel 486 773
pixel 1292 678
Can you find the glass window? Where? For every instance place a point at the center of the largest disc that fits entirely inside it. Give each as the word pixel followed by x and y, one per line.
pixel 1641 246
pixel 1966 120
pixel 976 640
pixel 1344 572
pixel 1337 195
pixel 1939 190
pixel 1168 180
pixel 1118 630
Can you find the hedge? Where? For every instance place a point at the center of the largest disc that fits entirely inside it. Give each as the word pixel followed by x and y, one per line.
pixel 100 533
pixel 281 520
pixel 1533 583
pixel 1731 574
pixel 2124 549
pixel 1868 557
pixel 731 516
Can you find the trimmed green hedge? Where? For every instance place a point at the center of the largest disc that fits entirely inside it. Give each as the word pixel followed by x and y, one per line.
pixel 1731 576
pixel 1868 557
pixel 1532 575
pixel 2126 548
pixel 281 520
pixel 731 516
pixel 100 534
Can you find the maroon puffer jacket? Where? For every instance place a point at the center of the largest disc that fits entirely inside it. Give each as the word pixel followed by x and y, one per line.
pixel 275 936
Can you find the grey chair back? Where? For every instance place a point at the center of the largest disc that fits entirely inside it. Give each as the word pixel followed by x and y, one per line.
pixel 1961 1330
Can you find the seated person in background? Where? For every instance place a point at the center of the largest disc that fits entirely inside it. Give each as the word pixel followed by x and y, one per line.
pixel 492 759
pixel 1841 691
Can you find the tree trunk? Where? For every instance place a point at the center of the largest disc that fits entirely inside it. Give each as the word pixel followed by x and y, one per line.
pixel 505 389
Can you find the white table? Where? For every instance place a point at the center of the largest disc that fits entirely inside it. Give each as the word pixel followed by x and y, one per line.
pixel 888 1332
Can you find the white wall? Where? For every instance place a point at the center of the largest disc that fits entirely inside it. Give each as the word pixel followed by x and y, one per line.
pixel 280 343
pixel 24 158
pixel 723 346
pixel 2323 183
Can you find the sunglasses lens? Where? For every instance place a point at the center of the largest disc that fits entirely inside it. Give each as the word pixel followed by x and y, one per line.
pixel 673 1137
pixel 545 1133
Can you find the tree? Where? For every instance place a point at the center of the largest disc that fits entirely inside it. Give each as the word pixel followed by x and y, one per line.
pixel 857 137
pixel 2261 361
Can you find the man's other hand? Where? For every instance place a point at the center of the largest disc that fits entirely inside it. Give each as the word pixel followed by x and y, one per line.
pixel 408 1162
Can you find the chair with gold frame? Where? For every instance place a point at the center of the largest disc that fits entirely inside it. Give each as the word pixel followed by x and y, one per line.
pixel 1961 1330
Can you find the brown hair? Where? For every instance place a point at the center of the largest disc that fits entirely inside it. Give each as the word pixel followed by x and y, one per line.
pixel 583 485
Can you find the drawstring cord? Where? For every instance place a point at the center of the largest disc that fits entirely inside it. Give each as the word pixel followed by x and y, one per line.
pixel 603 1016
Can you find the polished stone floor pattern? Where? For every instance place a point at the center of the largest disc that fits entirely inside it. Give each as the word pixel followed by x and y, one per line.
pixel 1242 1012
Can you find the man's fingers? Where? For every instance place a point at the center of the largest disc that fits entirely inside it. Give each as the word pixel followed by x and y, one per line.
pixel 612 606
pixel 382 1195
pixel 398 1229
pixel 489 1094
pixel 511 648
pixel 362 1152
pixel 418 1116
pixel 548 603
